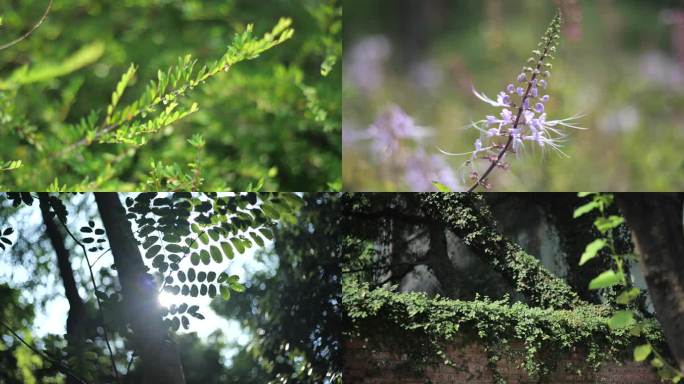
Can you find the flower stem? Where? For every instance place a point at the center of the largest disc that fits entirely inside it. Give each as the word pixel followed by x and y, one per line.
pixel 489 170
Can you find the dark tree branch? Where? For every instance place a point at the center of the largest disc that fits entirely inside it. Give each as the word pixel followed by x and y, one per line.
pixel 30 31
pixel 97 298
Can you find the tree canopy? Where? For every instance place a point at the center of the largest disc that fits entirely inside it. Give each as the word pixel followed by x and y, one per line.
pixel 152 95
pixel 112 256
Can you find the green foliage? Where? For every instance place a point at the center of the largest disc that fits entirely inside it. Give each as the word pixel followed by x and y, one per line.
pixel 423 327
pixel 628 318
pixel 294 312
pixel 271 125
pixel 470 219
pixel 201 228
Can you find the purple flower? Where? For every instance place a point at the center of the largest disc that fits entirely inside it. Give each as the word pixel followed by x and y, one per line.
pixel 518 123
pixel 393 126
pixel 365 68
pixel 422 170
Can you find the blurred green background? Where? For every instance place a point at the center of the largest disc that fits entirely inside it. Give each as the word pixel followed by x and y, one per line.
pixel 276 118
pixel 621 63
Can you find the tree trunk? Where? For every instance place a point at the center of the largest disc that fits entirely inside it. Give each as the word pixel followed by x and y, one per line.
pixel 158 353
pixel 656 224
pixel 78 325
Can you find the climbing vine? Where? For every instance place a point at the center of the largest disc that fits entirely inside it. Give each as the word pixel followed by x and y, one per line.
pixel 627 317
pixel 423 327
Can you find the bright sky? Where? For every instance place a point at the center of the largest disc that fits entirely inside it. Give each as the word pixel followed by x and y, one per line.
pixel 53 318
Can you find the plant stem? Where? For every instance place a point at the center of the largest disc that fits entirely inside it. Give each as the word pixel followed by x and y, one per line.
pixel 30 31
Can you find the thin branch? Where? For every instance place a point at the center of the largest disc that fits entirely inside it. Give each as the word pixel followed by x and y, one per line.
pixel 30 31
pixel 62 368
pixel 99 257
pixel 97 298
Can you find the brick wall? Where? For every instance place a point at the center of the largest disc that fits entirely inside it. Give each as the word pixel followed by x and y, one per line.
pixel 364 364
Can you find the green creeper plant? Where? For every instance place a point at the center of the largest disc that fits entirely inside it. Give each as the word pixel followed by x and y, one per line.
pixel 626 318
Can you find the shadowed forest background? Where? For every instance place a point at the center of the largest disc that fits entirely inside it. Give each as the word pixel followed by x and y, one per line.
pixel 256 300
pixel 270 122
pixel 619 63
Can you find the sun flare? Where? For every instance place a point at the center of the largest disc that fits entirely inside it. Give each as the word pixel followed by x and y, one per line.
pixel 166 299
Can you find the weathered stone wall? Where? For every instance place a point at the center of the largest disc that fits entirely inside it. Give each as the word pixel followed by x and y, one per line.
pixel 366 365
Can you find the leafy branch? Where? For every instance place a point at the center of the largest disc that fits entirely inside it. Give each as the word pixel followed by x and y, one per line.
pixel 130 124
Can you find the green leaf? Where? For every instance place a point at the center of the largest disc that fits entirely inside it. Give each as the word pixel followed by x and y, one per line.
pixel 236 286
pixel 605 280
pixel 174 248
pixel 621 319
pixel 212 291
pixel 204 255
pixel 604 224
pixel 181 276
pixel 257 238
pixel 237 243
pixel 586 208
pixel 216 254
pixel 204 238
pixel 153 251
pixel 227 250
pixel 149 241
pixel 641 352
pixel 441 187
pixel 267 233
pixel 119 90
pixel 270 211
pixel 657 363
pixel 191 275
pixel 592 249
pixel 225 292
pixel 628 296
pixel 195 258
